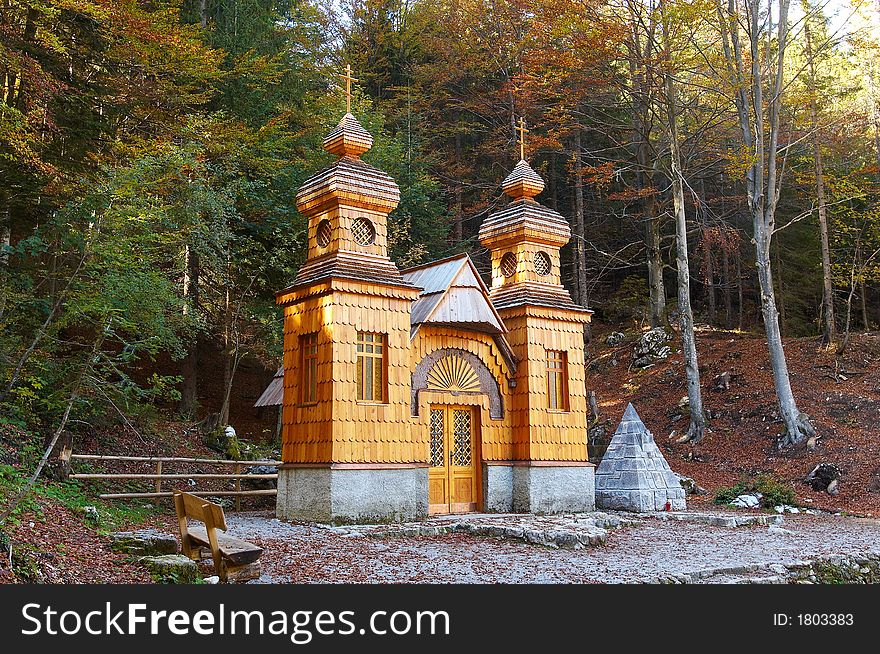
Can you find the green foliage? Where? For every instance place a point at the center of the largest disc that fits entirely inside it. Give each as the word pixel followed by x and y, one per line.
pixel 774 492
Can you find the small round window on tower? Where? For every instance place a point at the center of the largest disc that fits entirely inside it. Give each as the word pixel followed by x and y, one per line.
pixel 542 263
pixel 508 264
pixel 325 233
pixel 363 232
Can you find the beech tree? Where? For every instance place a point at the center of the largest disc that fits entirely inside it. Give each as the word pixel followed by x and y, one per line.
pixel 697 428
pixel 754 48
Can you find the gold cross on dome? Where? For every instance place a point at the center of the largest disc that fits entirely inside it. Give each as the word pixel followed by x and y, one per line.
pixel 522 137
pixel 348 80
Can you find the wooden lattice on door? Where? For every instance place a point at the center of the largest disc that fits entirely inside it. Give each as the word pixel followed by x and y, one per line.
pixel 461 454
pixel 437 437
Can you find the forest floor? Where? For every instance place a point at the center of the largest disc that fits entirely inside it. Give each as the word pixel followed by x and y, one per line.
pixel 744 421
pixel 53 539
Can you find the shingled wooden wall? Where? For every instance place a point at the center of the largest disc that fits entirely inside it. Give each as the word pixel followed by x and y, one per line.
pixel 339 428
pixel 538 433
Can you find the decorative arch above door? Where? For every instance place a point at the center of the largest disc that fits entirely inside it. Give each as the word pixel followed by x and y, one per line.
pixel 455 371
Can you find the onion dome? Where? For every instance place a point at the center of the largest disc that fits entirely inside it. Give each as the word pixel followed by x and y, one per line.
pixel 348 138
pixel 522 182
pixel 349 180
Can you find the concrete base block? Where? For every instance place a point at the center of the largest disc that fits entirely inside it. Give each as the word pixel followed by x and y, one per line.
pixel 498 488
pixel 352 495
pixel 641 501
pixel 553 489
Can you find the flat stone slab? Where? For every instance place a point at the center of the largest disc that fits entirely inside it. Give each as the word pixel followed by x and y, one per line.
pixel 834 569
pixel 144 542
pixel 571 531
pixel 719 519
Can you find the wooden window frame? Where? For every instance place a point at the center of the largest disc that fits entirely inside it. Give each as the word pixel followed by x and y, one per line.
pixel 308 361
pixel 362 344
pixel 556 364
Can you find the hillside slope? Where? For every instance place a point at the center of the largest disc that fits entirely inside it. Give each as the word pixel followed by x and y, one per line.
pixel 744 418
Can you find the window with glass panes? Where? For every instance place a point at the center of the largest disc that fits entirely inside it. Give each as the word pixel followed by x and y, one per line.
pixel 557 382
pixel 371 367
pixel 308 347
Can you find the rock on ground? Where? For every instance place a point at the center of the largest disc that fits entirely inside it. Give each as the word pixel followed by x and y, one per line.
pixel 144 542
pixel 651 348
pixel 172 569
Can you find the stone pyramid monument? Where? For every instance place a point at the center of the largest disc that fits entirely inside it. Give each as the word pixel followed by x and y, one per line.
pixel 633 474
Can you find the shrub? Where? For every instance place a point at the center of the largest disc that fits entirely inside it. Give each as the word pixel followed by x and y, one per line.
pixel 773 491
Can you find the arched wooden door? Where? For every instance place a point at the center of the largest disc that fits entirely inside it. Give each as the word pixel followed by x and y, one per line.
pixel 452 478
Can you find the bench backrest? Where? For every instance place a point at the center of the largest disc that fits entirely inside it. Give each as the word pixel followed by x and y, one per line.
pixel 191 506
pixel 197 508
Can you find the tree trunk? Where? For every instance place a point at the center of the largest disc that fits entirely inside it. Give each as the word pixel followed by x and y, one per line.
pixel 864 295
pixel 759 127
pixel 642 91
pixel 579 231
pixel 710 281
pixel 655 266
pixel 780 280
pixel 458 230
pixel 228 355
pixel 203 13
pixel 797 424
pixel 827 286
pixel 189 396
pixel 697 429
pixel 5 242
pixel 739 290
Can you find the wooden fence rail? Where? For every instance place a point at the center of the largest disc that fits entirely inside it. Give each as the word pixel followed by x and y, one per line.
pixel 237 475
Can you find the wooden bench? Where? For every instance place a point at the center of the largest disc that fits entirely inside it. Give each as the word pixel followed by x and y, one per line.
pixel 233 558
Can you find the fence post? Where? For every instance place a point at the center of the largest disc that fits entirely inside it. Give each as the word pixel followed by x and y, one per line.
pixel 237 488
pixel 159 478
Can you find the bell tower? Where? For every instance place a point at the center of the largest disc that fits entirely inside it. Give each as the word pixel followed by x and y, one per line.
pixel 347 205
pixel 347 446
pixel 546 332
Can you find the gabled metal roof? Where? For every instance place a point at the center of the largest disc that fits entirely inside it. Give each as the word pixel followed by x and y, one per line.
pixel 453 294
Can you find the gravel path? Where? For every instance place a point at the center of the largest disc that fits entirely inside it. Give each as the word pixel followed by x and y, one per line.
pixel 652 548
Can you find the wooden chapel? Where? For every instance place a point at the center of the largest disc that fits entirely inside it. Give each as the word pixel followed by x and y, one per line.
pixel 424 391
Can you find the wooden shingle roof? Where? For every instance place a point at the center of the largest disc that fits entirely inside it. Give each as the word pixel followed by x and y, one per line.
pixel 274 393
pixel 345 265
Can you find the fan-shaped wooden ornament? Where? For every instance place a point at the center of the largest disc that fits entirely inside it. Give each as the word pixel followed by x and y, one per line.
pixel 453 373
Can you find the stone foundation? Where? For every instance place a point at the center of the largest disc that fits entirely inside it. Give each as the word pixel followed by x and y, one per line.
pixel 530 488
pixel 355 494
pixel 641 501
pixel 497 488
pixel 553 489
